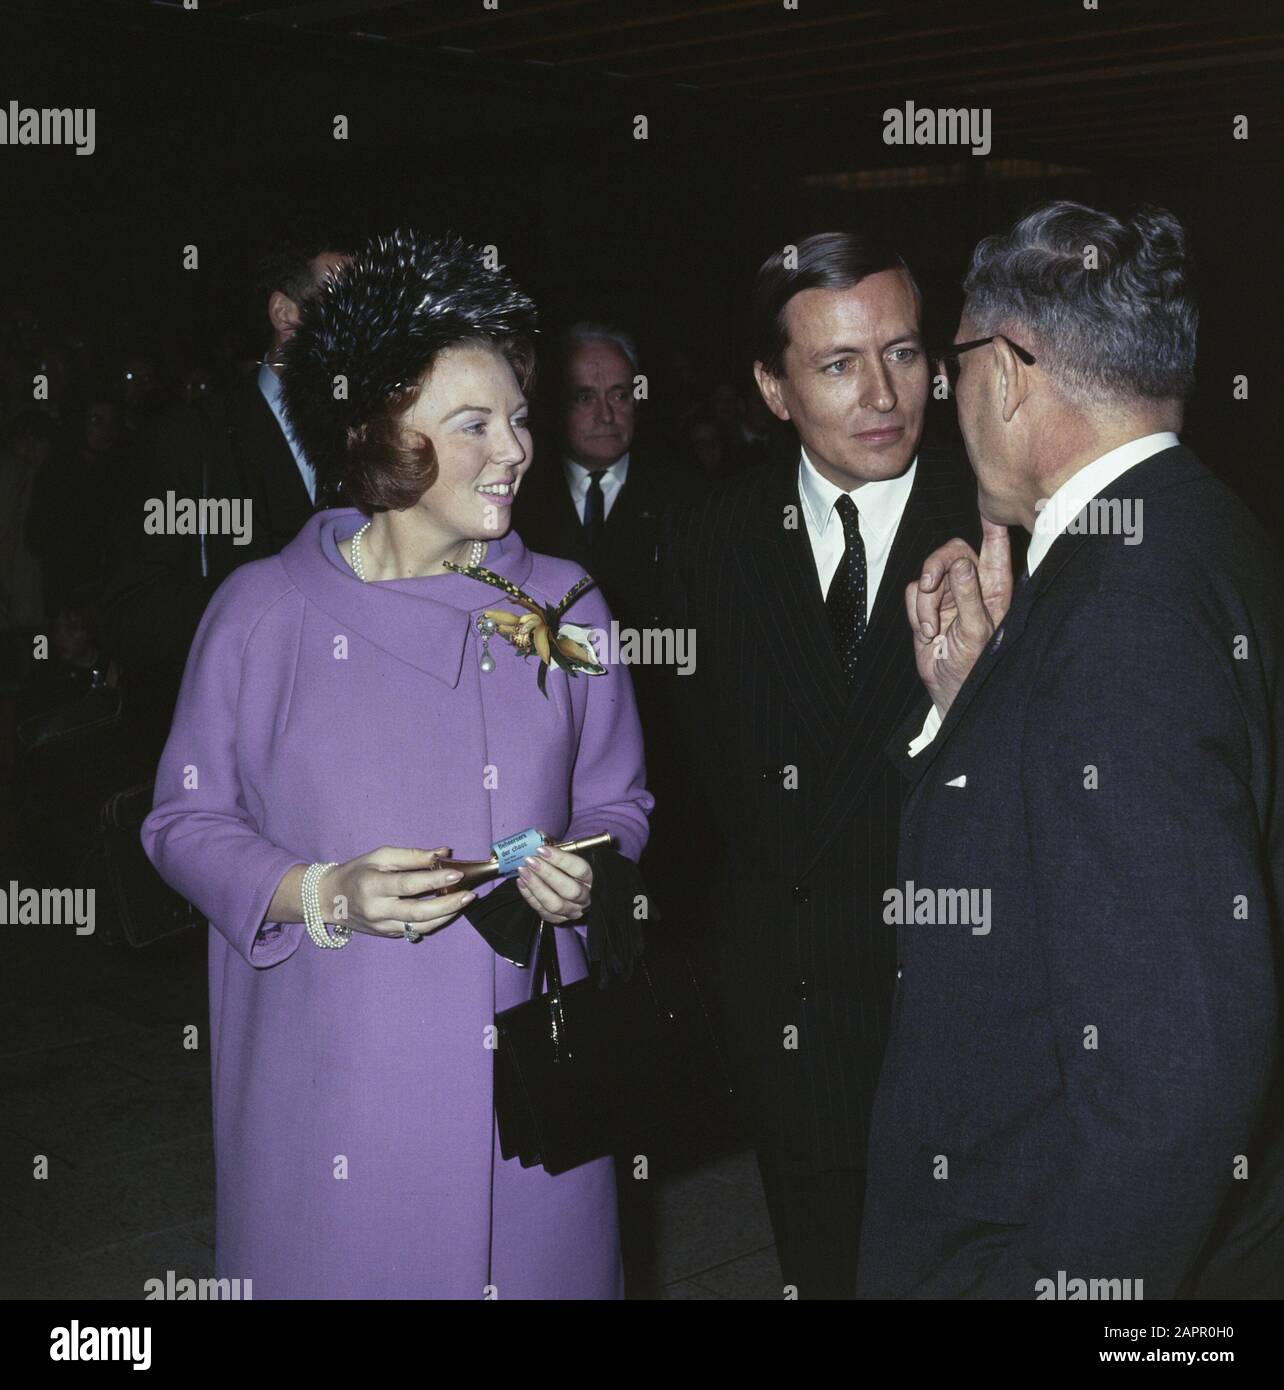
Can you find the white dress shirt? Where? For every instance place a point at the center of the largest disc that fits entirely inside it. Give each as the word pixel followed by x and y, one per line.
pixel 1062 507
pixel 879 506
pixel 270 385
pixel 577 479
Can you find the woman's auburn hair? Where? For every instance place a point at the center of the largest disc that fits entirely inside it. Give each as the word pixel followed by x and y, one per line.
pixel 387 467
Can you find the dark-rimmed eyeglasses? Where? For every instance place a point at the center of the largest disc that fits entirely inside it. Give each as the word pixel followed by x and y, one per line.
pixel 949 359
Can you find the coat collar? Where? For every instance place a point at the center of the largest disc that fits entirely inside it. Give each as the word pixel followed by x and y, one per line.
pixel 424 622
pixel 1165 469
pixel 781 586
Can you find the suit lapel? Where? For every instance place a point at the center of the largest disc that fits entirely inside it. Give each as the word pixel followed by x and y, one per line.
pixel 782 590
pixel 640 498
pixel 886 682
pixel 565 507
pixel 617 519
pixel 545 512
pixel 552 494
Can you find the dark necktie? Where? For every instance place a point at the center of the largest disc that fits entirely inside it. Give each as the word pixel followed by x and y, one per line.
pixel 845 603
pixel 594 509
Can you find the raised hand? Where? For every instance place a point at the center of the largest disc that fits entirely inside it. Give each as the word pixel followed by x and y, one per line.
pixel 954 608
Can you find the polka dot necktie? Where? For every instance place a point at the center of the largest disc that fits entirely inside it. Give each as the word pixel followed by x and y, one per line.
pixel 845 602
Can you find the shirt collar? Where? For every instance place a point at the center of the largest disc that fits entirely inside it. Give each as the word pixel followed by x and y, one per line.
pixel 1080 488
pixel 270 386
pixel 577 476
pixel 880 503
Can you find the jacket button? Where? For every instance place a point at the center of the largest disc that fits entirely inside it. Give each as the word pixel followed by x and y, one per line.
pixel 899 973
pixel 801 895
pixel 803 989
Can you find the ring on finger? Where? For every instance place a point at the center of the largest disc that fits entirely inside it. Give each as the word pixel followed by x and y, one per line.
pixel 408 931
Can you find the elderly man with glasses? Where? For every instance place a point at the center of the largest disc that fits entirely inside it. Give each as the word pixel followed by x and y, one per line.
pixel 1081 1092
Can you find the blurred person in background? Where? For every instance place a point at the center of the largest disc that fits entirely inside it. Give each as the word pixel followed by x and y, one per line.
pixel 232 444
pixel 599 495
pixel 598 498
pixel 744 437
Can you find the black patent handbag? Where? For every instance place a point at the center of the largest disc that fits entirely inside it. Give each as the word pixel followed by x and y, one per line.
pixel 584 1070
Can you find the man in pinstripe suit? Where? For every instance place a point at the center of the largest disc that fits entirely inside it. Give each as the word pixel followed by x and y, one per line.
pixel 793 576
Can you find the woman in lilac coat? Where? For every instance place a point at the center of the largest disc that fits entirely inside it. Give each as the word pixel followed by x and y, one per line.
pixel 341 710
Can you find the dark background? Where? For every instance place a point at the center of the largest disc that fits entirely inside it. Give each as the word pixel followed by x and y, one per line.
pixel 515 127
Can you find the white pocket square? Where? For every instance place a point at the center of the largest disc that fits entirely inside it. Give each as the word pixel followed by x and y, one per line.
pixel 958 781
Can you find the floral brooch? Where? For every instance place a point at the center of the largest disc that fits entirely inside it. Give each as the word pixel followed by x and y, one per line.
pixel 538 631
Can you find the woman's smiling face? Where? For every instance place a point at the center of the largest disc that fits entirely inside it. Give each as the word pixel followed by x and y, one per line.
pixel 473 411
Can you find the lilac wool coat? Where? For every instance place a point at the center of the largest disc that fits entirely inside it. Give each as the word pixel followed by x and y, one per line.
pixel 320 718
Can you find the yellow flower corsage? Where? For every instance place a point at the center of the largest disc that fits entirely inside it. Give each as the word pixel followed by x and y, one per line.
pixel 539 630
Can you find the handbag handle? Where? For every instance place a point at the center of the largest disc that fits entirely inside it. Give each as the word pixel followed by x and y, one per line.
pixel 546 964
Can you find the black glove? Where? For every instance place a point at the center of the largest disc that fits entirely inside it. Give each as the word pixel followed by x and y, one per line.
pixel 509 925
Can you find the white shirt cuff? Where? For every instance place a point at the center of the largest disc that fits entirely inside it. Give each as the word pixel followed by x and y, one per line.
pixel 928 732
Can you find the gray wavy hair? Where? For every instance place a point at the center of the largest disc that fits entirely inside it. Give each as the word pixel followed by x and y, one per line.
pixel 1107 307
pixel 586 332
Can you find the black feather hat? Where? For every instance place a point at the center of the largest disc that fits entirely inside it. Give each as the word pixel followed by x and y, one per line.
pixel 375 326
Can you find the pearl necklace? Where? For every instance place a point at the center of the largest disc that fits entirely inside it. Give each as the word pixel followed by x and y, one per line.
pixel 475 555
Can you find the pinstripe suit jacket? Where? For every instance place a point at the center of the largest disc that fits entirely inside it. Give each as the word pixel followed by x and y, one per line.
pixel 807 805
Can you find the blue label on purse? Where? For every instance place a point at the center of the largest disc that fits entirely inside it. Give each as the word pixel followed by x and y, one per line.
pixel 511 851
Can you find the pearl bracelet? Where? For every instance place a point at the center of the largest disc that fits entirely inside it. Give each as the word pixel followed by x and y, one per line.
pixel 312 915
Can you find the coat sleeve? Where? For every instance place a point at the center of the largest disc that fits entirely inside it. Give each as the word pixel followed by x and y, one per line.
pixel 200 834
pixel 608 778
pixel 1153 920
